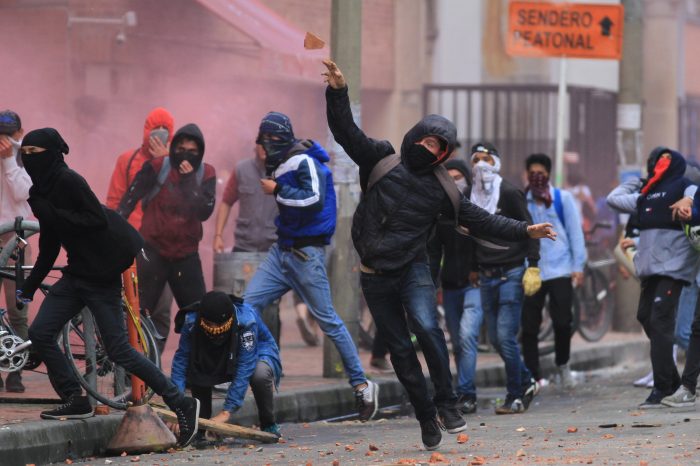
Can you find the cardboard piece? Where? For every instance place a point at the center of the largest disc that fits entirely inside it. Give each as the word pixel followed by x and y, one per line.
pixel 313 42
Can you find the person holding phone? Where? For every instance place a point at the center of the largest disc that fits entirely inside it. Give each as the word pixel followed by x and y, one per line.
pixel 157 133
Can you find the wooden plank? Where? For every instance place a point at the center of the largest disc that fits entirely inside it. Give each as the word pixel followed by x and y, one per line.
pixel 230 430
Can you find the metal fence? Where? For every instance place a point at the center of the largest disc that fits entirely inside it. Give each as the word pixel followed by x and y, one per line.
pixel 521 119
pixel 689 126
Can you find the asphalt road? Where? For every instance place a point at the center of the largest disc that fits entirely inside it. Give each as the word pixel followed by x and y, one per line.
pixel 595 423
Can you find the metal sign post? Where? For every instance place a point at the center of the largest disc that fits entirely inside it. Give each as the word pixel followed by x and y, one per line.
pixel 561 121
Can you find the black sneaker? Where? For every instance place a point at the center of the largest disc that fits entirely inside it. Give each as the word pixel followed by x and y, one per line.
pixel 77 407
pixel 14 383
pixel 452 420
pixel 367 401
pixel 529 393
pixel 188 419
pixel 466 404
pixel 653 401
pixel 430 434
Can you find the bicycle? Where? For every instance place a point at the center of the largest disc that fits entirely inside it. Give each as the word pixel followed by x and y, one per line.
pixel 593 301
pixel 104 381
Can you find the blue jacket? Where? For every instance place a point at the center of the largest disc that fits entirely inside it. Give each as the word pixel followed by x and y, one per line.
pixel 305 195
pixel 568 253
pixel 255 344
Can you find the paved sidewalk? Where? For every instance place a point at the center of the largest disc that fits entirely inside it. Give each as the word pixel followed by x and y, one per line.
pixel 303 396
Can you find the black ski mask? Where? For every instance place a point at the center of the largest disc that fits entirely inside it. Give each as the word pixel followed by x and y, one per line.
pixel 419 158
pixel 44 167
pixel 277 138
pixel 191 156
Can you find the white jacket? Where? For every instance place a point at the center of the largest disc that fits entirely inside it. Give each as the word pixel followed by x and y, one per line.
pixel 14 191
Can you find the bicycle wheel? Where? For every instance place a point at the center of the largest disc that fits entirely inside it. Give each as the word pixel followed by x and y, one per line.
pixel 595 302
pixel 103 380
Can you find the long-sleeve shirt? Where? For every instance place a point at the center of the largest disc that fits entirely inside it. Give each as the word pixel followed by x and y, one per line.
pixel 568 253
pixel 14 190
pixel 255 344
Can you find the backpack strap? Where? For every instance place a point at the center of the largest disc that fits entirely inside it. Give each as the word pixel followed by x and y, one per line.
pixel 381 168
pixel 448 184
pixel 558 206
pixel 128 167
pixel 163 176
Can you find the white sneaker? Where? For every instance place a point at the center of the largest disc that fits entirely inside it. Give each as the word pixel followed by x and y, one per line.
pixel 681 399
pixel 222 387
pixel 645 381
pixel 565 376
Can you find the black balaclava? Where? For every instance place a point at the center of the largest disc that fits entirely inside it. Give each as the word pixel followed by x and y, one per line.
pixel 44 167
pixel 191 132
pixel 279 125
pixel 215 340
pixel 419 159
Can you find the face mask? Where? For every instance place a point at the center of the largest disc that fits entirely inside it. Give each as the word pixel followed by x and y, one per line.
pixel 419 157
pixel 484 176
pixel 38 164
pixel 275 152
pixel 461 185
pixel 191 156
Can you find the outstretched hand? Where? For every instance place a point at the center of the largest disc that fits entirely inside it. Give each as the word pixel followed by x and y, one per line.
pixel 542 230
pixel 333 77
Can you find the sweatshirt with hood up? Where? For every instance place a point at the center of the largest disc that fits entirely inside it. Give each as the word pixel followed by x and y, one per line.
pixel 663 247
pixel 172 219
pixel 394 219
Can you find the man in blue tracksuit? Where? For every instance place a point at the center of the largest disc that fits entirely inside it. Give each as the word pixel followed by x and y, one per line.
pixel 303 188
pixel 223 339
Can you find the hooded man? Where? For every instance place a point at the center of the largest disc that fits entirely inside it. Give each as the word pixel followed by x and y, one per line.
pixel 100 245
pixel 665 260
pixel 14 192
pixel 561 266
pixel 178 194
pixel 396 213
pixel 222 339
pixel 302 185
pixel 502 274
pixel 158 131
pixel 453 259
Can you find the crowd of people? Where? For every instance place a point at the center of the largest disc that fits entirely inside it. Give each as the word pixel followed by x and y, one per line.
pixel 426 219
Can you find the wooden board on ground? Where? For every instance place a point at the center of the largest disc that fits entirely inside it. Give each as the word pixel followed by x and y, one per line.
pixel 229 430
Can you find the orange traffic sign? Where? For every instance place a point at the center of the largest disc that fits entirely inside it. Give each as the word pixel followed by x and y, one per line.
pixel 578 30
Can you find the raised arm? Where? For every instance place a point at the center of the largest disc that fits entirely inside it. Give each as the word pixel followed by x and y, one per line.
pixel 364 151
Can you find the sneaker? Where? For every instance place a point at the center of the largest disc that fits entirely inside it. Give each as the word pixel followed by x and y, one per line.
pixel 13 384
pixel 222 387
pixel 430 433
pixel 645 381
pixel 466 404
pixel 653 401
pixel 681 399
pixel 452 419
pixel 188 419
pixel 565 377
pixel 77 407
pixel 512 405
pixel 366 401
pixel 531 390
pixel 381 364
pixel 273 429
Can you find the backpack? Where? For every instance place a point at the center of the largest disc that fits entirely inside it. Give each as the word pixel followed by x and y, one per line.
pixel 125 242
pixel 558 206
pixel 163 175
pixel 386 164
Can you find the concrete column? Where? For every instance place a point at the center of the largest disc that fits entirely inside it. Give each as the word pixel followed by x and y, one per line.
pixel 662 72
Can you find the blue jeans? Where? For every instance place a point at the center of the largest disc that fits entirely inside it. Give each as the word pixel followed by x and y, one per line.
pixel 502 301
pixel 406 299
pixel 685 314
pixel 463 315
pixel 282 271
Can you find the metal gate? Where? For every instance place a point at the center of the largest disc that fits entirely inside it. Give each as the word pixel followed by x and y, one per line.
pixel 689 126
pixel 521 119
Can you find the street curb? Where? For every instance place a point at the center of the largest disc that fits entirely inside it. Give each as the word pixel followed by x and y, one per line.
pixel 42 442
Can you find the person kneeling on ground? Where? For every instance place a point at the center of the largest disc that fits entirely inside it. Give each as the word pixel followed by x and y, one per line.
pixel 222 339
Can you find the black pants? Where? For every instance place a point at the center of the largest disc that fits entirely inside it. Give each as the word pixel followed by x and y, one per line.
pixel 657 314
pixel 379 347
pixel 397 301
pixel 692 356
pixel 561 293
pixel 66 299
pixel 263 385
pixel 184 277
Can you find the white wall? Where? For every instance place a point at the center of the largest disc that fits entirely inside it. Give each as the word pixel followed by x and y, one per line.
pixel 457 53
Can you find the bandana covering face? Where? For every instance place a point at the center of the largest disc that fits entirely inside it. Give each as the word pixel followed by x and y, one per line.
pixel 486 186
pixel 278 125
pixel 659 170
pixel 539 187
pixel 43 167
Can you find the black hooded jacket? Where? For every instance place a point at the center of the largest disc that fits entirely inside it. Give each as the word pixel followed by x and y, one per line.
pixel 393 220
pixel 452 255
